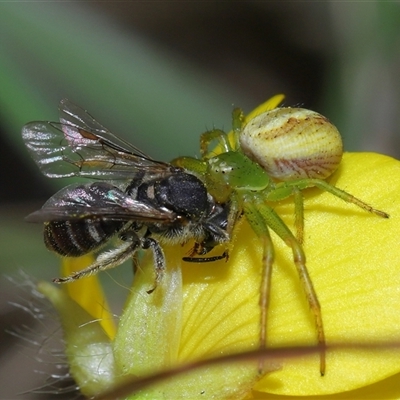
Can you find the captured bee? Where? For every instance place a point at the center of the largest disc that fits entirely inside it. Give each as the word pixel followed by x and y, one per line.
pixel 144 202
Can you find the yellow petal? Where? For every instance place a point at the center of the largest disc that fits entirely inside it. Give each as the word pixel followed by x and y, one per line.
pixel 88 292
pixel 353 259
pixel 220 310
pixel 268 105
pixel 388 389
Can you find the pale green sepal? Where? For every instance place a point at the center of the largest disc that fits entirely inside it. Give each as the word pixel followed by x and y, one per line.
pixel 149 337
pixel 87 346
pixel 149 330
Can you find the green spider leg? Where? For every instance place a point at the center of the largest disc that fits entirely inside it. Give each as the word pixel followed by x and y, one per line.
pixel 207 137
pixel 341 194
pixel 222 137
pixel 298 214
pixel 294 188
pixel 262 217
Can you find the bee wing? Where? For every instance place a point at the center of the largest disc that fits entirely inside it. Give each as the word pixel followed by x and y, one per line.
pixel 80 146
pixel 99 200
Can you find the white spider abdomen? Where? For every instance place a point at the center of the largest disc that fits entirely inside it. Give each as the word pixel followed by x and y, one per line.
pixel 293 143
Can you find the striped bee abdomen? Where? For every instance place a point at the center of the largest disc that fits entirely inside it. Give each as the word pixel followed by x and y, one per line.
pixel 76 238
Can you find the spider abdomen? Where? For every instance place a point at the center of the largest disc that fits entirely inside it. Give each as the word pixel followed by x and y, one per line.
pixel 293 143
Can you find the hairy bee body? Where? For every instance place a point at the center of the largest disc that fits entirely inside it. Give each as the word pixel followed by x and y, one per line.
pixel 143 202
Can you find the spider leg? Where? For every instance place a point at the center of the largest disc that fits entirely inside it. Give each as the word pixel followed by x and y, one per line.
pixel 283 190
pixel 321 184
pixel 299 214
pixel 207 137
pixel 257 222
pixel 300 262
pixel 271 219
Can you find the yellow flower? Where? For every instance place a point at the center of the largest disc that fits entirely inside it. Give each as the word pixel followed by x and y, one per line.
pixel 207 310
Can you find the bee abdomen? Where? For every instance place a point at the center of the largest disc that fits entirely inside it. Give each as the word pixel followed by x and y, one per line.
pixel 76 238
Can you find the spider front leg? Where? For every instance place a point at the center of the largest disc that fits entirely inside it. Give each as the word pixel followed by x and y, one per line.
pixel 225 142
pixel 260 217
pixel 207 137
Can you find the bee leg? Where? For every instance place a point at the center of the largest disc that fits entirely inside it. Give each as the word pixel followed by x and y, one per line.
pixel 196 249
pixel 106 260
pixel 200 249
pixel 159 259
pixel 216 235
pixel 225 255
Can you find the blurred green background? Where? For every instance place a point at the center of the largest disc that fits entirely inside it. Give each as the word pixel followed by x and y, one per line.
pixel 159 74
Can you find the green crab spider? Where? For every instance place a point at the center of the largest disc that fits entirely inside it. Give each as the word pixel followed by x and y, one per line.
pixel 275 155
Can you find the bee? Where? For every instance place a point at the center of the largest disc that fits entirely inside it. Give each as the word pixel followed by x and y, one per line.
pixel 273 156
pixel 143 202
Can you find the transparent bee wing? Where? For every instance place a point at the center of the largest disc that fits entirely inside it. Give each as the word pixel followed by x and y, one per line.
pixel 79 146
pixel 98 200
pixel 74 116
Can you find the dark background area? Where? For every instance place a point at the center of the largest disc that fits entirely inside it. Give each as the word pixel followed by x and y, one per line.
pixel 159 74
